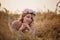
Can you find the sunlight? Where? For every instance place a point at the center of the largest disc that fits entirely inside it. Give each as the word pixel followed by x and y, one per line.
pixel 14 5
pixel 20 4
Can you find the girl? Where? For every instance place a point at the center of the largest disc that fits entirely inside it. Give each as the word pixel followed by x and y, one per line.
pixel 25 23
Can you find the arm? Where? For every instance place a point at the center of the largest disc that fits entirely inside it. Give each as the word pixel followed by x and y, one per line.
pixel 15 25
pixel 24 26
pixel 28 27
pixel 31 29
pixel 21 28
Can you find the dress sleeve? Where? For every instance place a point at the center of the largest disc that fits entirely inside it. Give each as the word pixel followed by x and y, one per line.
pixel 15 25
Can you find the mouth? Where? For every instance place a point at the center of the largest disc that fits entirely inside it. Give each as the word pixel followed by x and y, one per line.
pixel 28 22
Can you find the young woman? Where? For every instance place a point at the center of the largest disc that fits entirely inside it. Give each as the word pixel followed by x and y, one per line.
pixel 24 24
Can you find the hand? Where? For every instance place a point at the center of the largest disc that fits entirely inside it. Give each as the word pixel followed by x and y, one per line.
pixel 28 27
pixel 25 27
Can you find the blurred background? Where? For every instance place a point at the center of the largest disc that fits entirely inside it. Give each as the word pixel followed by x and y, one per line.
pixel 46 21
pixel 20 5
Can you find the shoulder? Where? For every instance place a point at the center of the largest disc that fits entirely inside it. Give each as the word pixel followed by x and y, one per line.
pixel 15 24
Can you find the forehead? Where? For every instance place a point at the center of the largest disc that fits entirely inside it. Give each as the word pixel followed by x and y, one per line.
pixel 31 15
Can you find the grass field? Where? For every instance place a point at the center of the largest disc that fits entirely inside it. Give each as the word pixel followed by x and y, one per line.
pixel 46 25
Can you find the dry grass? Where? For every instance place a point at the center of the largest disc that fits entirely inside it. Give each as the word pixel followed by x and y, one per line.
pixel 47 27
pixel 7 34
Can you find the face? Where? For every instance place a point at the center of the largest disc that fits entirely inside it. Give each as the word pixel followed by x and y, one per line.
pixel 28 19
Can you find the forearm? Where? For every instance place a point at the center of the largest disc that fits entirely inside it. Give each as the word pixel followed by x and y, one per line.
pixel 21 28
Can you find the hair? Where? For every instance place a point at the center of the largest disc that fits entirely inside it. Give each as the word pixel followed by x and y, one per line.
pixel 21 18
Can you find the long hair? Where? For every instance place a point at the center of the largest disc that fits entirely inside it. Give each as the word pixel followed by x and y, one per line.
pixel 21 18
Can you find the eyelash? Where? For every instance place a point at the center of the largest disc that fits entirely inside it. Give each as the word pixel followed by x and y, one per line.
pixel 28 17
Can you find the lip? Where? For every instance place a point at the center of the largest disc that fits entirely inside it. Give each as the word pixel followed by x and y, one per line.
pixel 28 22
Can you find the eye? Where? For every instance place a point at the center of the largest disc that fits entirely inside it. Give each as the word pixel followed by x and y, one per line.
pixel 28 17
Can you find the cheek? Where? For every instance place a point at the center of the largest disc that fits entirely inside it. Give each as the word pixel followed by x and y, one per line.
pixel 25 19
pixel 29 20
